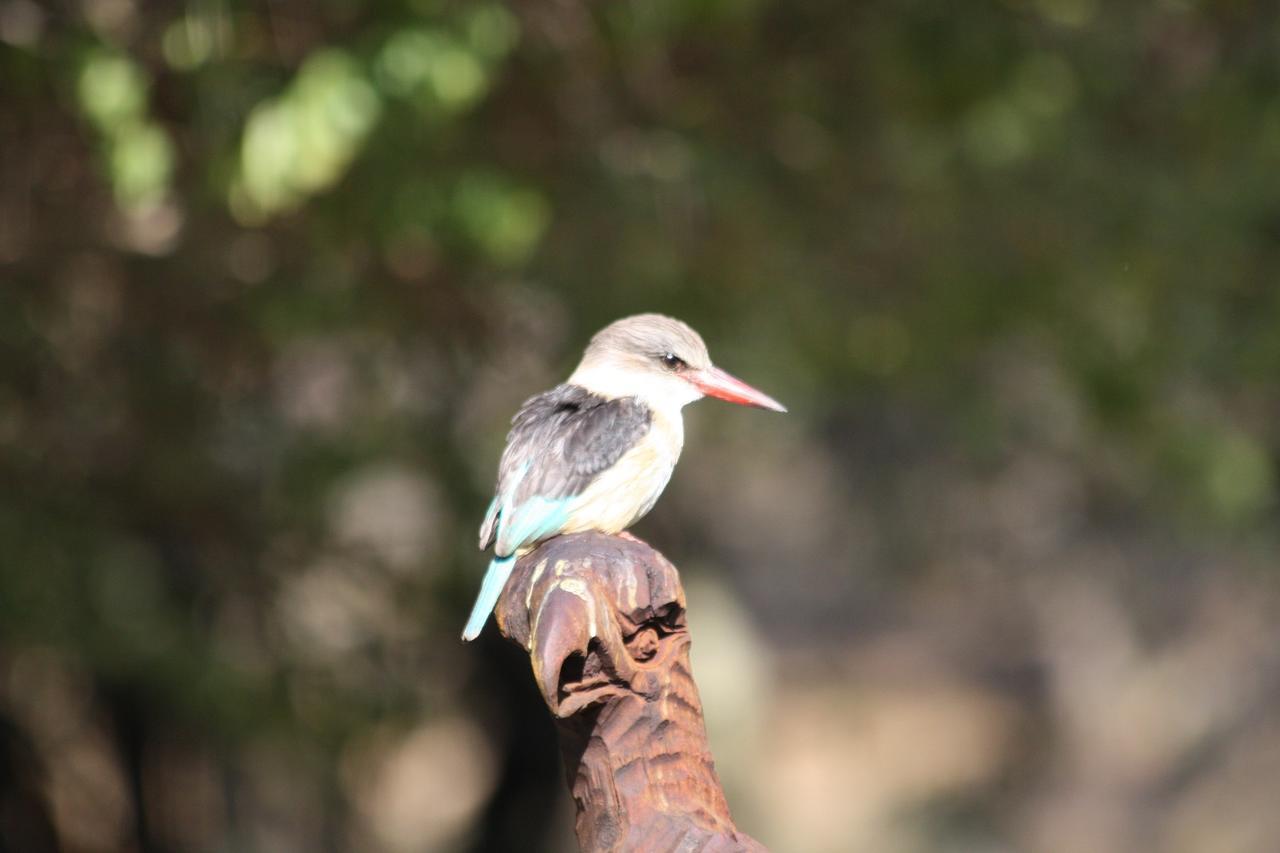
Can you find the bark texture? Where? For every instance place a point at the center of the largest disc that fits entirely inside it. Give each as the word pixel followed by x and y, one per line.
pixel 603 620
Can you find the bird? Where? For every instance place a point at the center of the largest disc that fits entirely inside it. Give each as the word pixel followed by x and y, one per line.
pixel 596 452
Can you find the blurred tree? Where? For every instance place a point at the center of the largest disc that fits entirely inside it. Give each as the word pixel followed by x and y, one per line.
pixel 276 273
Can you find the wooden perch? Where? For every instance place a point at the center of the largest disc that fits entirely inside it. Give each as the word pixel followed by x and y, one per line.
pixel 603 620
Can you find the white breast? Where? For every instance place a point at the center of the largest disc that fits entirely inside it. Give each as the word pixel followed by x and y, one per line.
pixel 622 495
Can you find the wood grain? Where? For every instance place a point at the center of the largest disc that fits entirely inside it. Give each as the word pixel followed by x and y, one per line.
pixel 603 620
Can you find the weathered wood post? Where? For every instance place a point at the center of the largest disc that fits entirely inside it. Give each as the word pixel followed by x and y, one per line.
pixel 603 620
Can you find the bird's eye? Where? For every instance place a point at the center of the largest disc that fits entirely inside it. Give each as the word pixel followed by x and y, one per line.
pixel 671 361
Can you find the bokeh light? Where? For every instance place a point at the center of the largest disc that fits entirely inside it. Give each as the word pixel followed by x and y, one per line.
pixel 277 275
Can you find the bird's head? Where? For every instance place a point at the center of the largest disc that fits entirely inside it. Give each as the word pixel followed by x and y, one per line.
pixel 661 361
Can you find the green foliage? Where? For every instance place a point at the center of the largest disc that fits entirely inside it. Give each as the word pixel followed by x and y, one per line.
pixel 302 142
pixel 138 153
pixel 258 257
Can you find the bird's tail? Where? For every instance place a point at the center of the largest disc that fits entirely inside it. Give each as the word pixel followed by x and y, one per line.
pixel 494 580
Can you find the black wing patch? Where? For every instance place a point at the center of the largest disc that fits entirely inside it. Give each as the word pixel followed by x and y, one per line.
pixel 559 441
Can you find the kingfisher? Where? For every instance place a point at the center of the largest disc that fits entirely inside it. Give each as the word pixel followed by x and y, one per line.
pixel 596 452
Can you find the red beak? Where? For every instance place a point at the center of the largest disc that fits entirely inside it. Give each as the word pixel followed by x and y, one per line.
pixel 714 382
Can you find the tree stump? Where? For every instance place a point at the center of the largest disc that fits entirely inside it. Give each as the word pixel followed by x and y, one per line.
pixel 603 620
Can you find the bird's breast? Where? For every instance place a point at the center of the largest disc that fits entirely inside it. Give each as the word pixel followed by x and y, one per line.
pixel 620 496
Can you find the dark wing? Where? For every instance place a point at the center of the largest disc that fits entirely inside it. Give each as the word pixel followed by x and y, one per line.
pixel 559 441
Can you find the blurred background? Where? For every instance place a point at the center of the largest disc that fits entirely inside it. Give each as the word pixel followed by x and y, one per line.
pixel 277 274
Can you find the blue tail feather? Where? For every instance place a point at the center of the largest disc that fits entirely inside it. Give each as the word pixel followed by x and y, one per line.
pixel 494 580
pixel 518 526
